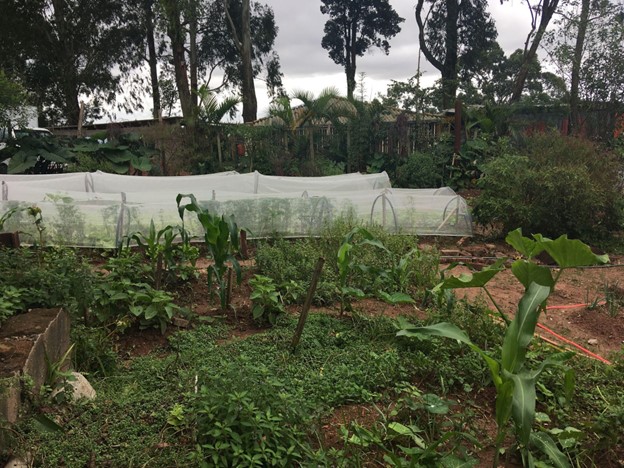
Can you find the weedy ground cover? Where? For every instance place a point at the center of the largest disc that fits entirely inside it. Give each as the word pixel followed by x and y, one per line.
pixel 207 399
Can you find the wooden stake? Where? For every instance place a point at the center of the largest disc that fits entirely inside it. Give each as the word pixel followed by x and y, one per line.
pixel 229 288
pixel 308 303
pixel 243 245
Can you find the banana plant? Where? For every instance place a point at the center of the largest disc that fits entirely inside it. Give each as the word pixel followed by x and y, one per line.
pixel 515 382
pixel 221 235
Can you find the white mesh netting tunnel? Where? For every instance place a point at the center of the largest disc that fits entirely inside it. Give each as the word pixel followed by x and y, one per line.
pixel 99 209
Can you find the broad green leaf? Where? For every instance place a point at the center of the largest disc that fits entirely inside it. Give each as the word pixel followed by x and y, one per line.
pixel 504 398
pixel 396 298
pixel 343 251
pixel 434 404
pixel 527 272
pixel 546 445
pixel 527 247
pixel 523 404
pixel 119 156
pixel 140 163
pixel 119 168
pixel 571 253
pixel 443 329
pixel 151 312
pixel 49 156
pixel 520 332
pixel 353 292
pixel 448 330
pixel 257 311
pixel 45 424
pixel 475 280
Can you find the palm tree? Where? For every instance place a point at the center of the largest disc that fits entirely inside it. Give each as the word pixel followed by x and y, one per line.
pixel 328 106
pixel 211 111
pixel 282 111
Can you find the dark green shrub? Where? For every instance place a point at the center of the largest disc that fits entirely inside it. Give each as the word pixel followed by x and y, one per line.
pixel 420 170
pixel 553 185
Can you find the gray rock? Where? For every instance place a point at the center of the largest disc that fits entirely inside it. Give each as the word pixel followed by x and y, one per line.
pixel 81 388
pixel 592 341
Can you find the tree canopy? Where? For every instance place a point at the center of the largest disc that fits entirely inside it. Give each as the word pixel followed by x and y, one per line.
pixel 455 36
pixel 353 27
pixel 65 49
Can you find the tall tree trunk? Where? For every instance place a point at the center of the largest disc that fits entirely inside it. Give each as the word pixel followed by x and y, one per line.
pixel 70 85
pixel 350 61
pixel 243 44
pixel 193 60
pixel 547 11
pixel 449 68
pixel 575 116
pixel 250 104
pixel 177 36
pixel 152 59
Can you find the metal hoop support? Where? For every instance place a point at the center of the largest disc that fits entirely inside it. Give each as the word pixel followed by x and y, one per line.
pixel 385 200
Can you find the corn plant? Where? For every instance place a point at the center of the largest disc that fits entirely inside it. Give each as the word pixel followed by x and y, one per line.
pixel 515 382
pixel 164 255
pixel 221 235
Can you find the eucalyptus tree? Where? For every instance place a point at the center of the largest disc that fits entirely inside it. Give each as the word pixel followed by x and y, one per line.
pixel 455 37
pixel 587 49
pixel 238 39
pixel 542 11
pixel 353 27
pixel 180 20
pixel 68 49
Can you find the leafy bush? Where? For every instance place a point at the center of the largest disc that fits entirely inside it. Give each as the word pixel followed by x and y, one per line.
pixel 238 428
pixel 404 268
pixel 267 302
pixel 58 279
pixel 11 301
pixel 285 261
pixel 553 185
pixel 420 170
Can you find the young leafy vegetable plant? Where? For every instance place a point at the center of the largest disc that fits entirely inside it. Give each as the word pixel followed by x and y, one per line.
pixel 514 381
pixel 266 300
pixel 221 235
pixel 347 264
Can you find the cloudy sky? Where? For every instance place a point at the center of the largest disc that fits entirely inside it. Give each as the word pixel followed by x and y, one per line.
pixel 307 66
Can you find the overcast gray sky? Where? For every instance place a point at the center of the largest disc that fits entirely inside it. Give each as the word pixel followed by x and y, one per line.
pixel 307 66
